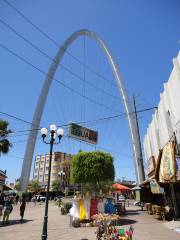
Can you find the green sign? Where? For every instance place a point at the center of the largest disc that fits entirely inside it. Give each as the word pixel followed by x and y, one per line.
pixel 82 133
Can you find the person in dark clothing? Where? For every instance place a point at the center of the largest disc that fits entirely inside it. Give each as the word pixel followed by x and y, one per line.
pixel 7 211
pixel 22 209
pixel 1 204
pixel 17 199
pixel 39 199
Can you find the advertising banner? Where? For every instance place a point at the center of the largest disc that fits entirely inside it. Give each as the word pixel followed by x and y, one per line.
pixel 167 165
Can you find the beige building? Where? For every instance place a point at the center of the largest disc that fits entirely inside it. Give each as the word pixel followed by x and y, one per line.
pixel 2 179
pixel 60 168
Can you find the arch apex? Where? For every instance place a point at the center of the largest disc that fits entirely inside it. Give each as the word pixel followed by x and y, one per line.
pixel 28 156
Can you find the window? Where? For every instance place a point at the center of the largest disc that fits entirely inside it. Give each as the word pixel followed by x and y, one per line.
pixel 56 167
pixel 58 159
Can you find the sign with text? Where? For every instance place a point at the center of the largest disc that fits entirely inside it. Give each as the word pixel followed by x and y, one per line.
pixel 82 133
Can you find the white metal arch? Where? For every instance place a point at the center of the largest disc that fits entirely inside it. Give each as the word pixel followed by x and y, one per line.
pixel 28 156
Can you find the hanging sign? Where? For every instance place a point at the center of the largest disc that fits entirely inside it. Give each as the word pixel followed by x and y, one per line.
pixel 167 165
pixel 155 187
pixel 82 133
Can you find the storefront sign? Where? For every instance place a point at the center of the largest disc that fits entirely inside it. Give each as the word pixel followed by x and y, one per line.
pixel 82 133
pixel 155 188
pixel 167 165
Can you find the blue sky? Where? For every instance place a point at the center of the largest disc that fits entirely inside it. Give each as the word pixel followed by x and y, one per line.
pixel 143 37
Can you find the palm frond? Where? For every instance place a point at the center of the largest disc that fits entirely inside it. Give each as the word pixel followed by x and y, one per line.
pixel 5 145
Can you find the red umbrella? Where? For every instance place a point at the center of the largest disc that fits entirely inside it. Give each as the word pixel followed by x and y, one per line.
pixel 119 187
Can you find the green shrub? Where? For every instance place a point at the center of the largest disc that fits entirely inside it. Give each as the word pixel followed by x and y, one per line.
pixel 67 206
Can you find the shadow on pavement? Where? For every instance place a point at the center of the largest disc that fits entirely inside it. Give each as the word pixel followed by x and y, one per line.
pixel 133 212
pixel 13 222
pixel 126 221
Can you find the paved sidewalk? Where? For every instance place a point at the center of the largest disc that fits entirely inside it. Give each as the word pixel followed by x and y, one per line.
pixel 145 226
pixel 58 225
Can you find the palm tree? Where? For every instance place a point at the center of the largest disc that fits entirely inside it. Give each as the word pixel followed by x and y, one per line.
pixel 4 132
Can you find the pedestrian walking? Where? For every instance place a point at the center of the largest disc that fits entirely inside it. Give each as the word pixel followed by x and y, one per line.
pixel 17 199
pixel 39 200
pixel 22 209
pixel 7 211
pixel 1 204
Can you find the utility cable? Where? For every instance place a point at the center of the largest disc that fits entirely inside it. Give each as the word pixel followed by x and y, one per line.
pixel 51 58
pixel 56 43
pixel 10 156
pixel 17 118
pixel 55 79
pixel 81 122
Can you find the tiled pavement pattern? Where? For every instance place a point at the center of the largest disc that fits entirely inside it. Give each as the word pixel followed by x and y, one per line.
pixel 145 227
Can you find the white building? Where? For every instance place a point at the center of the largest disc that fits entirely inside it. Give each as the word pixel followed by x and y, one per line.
pixel 166 119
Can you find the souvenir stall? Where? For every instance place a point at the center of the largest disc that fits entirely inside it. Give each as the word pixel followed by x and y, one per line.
pixel 83 208
pixel 120 191
pixel 160 191
pixel 99 212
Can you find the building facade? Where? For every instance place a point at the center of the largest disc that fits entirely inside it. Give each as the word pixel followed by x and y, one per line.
pixel 165 122
pixel 162 140
pixel 60 164
pixel 2 179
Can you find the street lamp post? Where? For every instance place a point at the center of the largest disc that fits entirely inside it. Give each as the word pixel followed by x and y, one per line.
pixel 51 142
